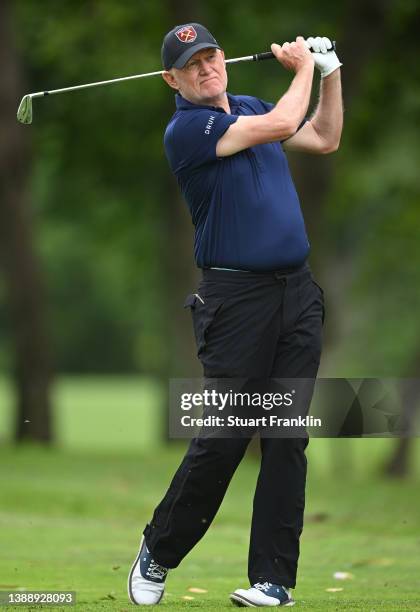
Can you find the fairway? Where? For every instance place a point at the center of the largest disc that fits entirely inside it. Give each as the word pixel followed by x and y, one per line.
pixel 85 409
pixel 71 521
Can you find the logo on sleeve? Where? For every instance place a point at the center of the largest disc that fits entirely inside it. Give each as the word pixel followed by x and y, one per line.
pixel 186 34
pixel 209 124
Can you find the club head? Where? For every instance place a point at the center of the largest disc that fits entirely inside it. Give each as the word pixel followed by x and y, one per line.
pixel 24 113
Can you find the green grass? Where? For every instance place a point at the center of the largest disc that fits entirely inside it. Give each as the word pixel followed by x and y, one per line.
pixel 72 520
pixel 85 410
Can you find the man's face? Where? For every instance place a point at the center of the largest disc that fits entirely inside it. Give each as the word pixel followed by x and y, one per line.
pixel 202 79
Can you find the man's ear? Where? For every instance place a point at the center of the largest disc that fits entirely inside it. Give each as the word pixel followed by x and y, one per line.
pixel 170 79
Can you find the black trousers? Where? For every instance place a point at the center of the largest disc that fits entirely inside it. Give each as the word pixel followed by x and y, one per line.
pixel 255 326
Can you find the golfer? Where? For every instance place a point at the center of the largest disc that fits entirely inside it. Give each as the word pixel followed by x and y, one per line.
pixel 258 312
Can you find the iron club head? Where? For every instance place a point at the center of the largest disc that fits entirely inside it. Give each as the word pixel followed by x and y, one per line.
pixel 24 113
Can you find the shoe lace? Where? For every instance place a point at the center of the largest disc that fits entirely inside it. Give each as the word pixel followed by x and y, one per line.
pixel 262 586
pixel 156 571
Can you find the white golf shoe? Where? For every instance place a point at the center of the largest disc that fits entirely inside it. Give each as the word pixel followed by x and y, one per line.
pixel 146 580
pixel 262 594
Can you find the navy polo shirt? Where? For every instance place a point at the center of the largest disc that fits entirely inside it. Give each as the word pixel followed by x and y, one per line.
pixel 244 207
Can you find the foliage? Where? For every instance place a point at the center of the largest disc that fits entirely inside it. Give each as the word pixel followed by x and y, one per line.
pixel 374 204
pixel 101 192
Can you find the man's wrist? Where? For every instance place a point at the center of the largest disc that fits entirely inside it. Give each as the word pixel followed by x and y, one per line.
pixel 305 72
pixel 306 66
pixel 335 74
pixel 330 70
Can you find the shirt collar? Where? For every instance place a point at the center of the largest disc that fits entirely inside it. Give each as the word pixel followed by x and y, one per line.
pixel 183 104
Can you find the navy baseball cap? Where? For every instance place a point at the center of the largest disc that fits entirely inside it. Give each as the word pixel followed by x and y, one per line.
pixel 183 41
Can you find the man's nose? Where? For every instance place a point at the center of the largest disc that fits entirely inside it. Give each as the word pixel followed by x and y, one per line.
pixel 205 66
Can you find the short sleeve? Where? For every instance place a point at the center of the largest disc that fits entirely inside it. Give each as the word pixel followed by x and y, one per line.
pixel 191 138
pixel 267 106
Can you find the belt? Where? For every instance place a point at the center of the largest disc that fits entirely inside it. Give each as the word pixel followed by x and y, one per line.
pixel 215 273
pixel 228 269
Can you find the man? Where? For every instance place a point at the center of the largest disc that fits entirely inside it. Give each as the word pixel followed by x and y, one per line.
pixel 258 312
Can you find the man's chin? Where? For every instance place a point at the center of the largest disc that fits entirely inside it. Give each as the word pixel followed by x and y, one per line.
pixel 212 93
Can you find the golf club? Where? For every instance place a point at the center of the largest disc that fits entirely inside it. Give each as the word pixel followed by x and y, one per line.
pixel 24 113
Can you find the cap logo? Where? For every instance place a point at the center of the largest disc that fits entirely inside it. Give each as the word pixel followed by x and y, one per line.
pixel 186 34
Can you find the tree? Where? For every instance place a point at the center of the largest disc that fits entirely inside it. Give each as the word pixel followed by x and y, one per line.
pixel 32 368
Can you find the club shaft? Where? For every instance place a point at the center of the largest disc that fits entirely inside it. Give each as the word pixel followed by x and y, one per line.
pixel 51 92
pixel 235 60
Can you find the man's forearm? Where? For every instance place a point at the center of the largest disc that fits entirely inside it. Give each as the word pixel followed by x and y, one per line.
pixel 293 105
pixel 327 119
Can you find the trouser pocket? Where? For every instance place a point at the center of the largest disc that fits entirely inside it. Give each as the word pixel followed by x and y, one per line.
pixel 203 312
pixel 322 298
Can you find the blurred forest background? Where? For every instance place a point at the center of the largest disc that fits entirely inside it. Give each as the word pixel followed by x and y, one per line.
pixel 96 243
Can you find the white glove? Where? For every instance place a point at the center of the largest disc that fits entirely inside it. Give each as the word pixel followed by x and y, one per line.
pixel 324 55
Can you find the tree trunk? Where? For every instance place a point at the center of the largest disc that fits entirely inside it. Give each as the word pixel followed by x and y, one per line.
pixel 398 465
pixel 17 255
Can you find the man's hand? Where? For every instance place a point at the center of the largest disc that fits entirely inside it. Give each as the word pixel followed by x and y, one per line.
pixel 293 56
pixel 324 55
pixel 285 118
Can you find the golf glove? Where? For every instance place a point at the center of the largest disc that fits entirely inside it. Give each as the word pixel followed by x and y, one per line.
pixel 324 55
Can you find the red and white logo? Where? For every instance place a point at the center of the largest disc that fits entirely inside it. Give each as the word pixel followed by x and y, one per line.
pixel 186 34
